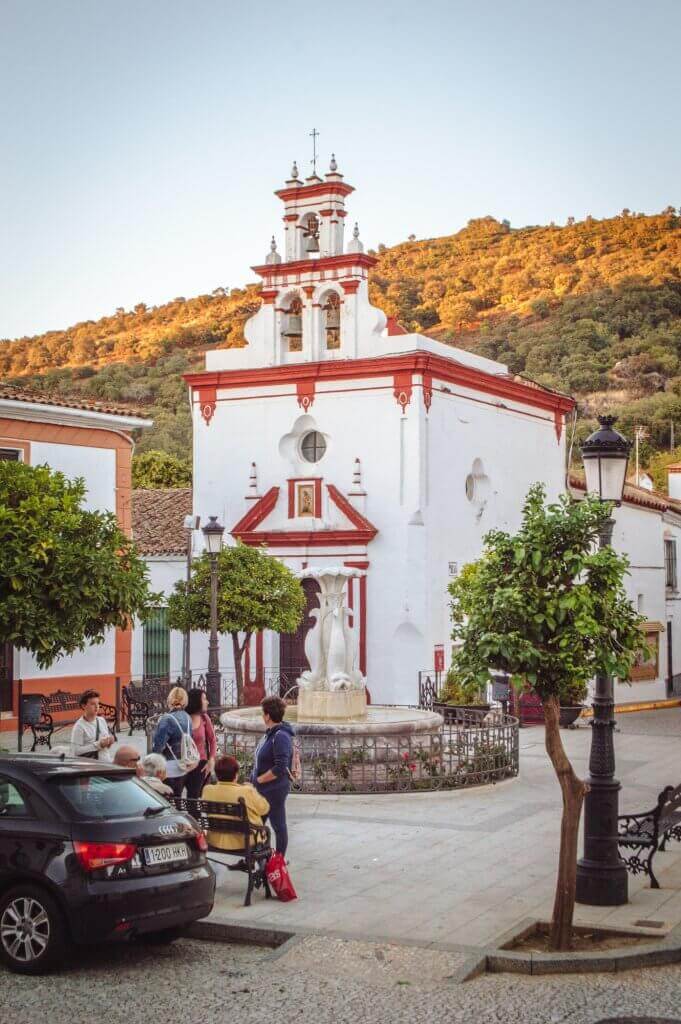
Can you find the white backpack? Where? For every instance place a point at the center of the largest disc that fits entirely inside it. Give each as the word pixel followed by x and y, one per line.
pixel 189 752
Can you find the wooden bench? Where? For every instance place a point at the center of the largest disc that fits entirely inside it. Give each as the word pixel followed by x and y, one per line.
pixel 255 849
pixel 642 835
pixel 61 703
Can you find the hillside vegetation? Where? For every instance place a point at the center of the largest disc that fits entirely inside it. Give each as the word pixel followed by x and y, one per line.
pixel 593 308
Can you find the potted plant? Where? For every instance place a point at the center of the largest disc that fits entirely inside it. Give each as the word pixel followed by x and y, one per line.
pixel 458 696
pixel 571 704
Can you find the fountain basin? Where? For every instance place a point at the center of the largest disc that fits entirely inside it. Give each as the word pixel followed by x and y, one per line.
pixel 378 720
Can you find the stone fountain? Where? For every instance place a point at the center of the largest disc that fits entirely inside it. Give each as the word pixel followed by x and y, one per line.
pixel 333 689
pixel 332 692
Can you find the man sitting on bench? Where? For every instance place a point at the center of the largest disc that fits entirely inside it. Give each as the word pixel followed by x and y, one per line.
pixel 228 790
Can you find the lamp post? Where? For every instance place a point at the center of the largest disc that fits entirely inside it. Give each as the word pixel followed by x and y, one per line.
pixel 601 874
pixel 191 523
pixel 212 533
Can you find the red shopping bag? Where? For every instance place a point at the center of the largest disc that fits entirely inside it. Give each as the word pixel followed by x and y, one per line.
pixel 279 878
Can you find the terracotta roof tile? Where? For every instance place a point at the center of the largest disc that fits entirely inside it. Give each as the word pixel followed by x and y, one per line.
pixel 634 495
pixel 157 520
pixel 14 393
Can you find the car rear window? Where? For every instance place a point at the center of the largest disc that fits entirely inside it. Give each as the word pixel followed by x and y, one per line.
pixel 106 796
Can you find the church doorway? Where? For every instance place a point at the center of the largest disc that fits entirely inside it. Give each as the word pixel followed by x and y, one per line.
pixel 292 660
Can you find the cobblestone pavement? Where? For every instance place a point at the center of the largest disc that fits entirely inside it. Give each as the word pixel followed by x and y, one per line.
pixel 320 981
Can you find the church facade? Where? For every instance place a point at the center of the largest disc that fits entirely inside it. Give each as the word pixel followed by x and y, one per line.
pixel 334 437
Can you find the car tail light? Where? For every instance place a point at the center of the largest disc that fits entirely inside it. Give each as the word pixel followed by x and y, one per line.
pixel 201 842
pixel 103 855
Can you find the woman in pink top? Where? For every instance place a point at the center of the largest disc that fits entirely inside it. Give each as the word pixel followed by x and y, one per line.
pixel 204 737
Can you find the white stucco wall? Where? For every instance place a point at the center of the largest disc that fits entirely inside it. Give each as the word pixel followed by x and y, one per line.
pixel 98 468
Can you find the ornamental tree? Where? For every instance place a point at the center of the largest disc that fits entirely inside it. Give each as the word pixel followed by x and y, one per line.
pixel 255 592
pixel 550 609
pixel 67 574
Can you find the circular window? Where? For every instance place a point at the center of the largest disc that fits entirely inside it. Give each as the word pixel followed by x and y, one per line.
pixel 470 487
pixel 312 446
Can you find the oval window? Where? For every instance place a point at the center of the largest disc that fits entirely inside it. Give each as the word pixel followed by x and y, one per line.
pixel 312 446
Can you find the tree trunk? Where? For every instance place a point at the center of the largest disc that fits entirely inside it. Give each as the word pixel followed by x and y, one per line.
pixel 238 650
pixel 573 790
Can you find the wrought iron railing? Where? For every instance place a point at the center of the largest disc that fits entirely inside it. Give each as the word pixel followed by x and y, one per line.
pixel 471 752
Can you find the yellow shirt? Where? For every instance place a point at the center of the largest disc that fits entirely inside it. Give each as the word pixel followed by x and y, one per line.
pixel 229 793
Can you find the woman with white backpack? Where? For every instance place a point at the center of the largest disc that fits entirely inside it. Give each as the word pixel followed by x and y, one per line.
pixel 173 739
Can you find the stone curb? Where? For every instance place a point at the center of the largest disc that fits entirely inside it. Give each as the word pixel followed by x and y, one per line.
pixel 657 954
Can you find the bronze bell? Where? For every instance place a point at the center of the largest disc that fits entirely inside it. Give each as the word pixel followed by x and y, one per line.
pixel 311 242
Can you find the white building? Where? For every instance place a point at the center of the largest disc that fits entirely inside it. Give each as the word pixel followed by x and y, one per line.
pixel 85 439
pixel 332 438
pixel 648 531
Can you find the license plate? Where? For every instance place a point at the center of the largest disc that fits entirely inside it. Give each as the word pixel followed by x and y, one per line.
pixel 169 853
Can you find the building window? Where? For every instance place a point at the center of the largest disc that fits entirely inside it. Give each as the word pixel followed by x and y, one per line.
pixel 670 564
pixel 312 446
pixel 9 454
pixel 156 645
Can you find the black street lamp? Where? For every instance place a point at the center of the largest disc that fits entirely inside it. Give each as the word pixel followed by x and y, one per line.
pixel 601 873
pixel 212 533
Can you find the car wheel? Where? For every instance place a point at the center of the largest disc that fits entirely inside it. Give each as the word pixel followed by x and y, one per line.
pixel 162 938
pixel 32 933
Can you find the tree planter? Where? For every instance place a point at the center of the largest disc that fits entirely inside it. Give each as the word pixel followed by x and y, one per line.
pixel 569 715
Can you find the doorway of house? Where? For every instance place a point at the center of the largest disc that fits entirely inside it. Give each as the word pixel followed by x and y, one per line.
pixel 292 660
pixel 6 676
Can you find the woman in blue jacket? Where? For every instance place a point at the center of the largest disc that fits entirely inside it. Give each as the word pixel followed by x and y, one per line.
pixel 272 766
pixel 168 737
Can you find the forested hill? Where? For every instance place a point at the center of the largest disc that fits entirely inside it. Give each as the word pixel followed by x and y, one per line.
pixel 593 308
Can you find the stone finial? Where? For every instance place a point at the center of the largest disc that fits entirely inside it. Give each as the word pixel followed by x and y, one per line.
pixel 354 245
pixel 357 475
pixel 253 483
pixel 333 166
pixel 273 256
pixel 294 171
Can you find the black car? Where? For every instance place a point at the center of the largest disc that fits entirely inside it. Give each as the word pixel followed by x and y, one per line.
pixel 88 853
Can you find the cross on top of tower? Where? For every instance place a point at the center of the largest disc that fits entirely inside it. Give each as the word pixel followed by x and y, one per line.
pixel 314 134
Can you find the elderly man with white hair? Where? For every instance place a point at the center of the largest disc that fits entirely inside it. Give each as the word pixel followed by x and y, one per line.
pixel 154 772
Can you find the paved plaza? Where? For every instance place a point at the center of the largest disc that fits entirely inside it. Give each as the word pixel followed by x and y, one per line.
pixel 464 866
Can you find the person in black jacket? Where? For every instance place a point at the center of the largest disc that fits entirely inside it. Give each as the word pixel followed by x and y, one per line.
pixel 272 766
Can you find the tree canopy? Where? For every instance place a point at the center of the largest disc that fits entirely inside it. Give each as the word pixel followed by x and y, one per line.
pixel 544 604
pixel 156 469
pixel 67 574
pixel 255 592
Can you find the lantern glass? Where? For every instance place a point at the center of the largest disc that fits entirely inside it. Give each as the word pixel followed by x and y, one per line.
pixel 605 476
pixel 213 535
pixel 606 455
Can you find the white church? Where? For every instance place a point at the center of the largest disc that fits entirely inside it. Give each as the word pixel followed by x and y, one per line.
pixel 333 437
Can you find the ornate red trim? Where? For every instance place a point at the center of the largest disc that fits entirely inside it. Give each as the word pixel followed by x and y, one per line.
pixel 427 390
pixel 305 393
pixel 207 403
pixel 393 327
pixel 328 188
pixel 342 213
pixel 317 481
pixel 345 259
pixel 269 294
pixel 245 530
pixel 326 213
pixel 309 290
pixel 290 216
pixel 558 417
pixel 257 513
pixel 349 510
pixel 349 287
pixel 304 376
pixel 402 388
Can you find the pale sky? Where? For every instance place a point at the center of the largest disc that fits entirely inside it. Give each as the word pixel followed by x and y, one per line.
pixel 141 140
